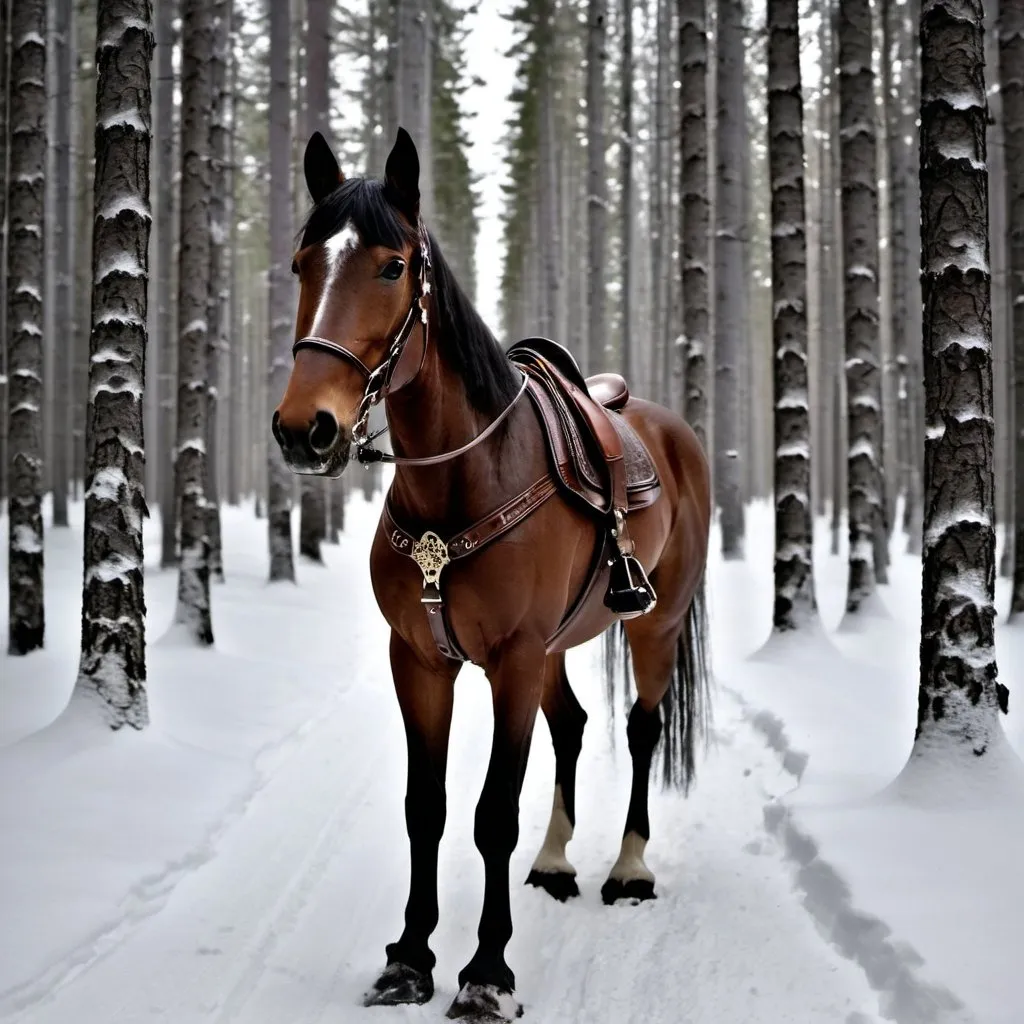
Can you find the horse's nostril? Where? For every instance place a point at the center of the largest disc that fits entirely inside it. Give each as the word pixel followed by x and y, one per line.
pixel 281 434
pixel 323 433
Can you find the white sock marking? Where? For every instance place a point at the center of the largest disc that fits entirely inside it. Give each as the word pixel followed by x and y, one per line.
pixel 551 858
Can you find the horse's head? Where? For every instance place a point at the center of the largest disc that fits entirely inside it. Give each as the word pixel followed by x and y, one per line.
pixel 357 265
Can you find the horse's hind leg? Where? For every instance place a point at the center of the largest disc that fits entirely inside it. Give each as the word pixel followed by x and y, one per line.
pixel 652 644
pixel 551 869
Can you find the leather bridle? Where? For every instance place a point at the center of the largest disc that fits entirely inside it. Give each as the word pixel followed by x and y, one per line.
pixel 378 379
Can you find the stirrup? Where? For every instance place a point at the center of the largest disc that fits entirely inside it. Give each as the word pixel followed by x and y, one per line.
pixel 630 593
pixel 629 590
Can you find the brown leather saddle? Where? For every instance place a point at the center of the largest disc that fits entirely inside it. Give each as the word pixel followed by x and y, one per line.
pixel 597 457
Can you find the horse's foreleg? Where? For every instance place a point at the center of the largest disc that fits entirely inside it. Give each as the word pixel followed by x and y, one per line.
pixel 426 700
pixel 551 870
pixel 487 983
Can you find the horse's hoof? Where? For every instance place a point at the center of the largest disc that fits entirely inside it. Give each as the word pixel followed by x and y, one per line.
pixel 484 1004
pixel 636 889
pixel 399 984
pixel 559 884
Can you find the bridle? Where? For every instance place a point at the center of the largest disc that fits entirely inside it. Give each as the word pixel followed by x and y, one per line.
pixel 378 379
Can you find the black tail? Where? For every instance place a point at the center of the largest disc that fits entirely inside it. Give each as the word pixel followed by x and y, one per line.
pixel 686 708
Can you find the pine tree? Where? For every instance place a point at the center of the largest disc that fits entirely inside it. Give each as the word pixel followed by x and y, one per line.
pixel 694 209
pixel 26 176
pixel 197 43
pixel 1011 88
pixel 113 662
pixel 282 566
pixel 959 697
pixel 730 279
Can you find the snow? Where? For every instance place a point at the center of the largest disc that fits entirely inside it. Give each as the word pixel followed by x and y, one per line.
pixel 122 263
pixel 26 540
pixel 107 483
pixel 244 859
pixel 130 117
pixel 130 203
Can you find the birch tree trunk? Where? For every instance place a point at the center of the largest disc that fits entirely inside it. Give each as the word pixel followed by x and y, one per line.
pixel 860 289
pixel 63 244
pixel 959 697
pixel 626 356
pixel 415 21
pixel 1011 88
pixel 113 663
pixel 216 302
pixel 553 322
pixel 25 324
pixel 730 282
pixel 163 324
pixel 794 586
pixel 597 187
pixel 694 209
pixel 197 44
pixel 279 479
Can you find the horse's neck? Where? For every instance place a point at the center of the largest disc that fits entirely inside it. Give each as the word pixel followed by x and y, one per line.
pixel 430 415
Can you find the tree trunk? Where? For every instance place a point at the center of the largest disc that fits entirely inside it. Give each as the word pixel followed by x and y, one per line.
pixel 216 302
pixel 730 284
pixel 197 46
pixel 794 584
pixel 626 358
pixel 552 322
pixel 25 324
pixel 163 324
pixel 959 697
pixel 4 91
pixel 415 22
pixel 597 187
pixel 113 662
pixel 282 566
pixel 694 209
pixel 1011 66
pixel 860 275
pixel 63 242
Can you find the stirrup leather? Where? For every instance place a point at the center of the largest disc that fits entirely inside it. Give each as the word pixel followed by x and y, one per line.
pixel 629 593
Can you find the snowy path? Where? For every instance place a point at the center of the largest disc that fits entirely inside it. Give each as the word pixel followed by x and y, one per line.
pixel 288 920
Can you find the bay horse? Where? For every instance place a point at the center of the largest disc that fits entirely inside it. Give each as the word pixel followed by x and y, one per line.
pixel 380 317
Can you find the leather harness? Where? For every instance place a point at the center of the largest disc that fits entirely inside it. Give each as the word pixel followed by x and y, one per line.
pixel 430 552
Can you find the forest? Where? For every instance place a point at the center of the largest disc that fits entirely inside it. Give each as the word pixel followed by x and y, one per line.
pixel 798 225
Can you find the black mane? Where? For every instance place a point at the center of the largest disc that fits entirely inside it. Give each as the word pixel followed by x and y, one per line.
pixel 465 340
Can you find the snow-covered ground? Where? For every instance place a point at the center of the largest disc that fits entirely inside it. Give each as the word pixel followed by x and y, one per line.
pixel 245 859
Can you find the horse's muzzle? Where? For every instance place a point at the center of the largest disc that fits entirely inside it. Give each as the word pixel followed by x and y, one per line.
pixel 320 447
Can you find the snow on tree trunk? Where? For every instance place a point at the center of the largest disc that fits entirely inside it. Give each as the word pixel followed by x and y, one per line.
pixel 25 324
pixel 193 610
pixel 694 211
pixel 63 242
pixel 113 663
pixel 730 283
pixel 279 479
pixel 597 186
pixel 217 308
pixel 1011 88
pixel 794 586
pixel 626 360
pixel 959 697
pixel 860 274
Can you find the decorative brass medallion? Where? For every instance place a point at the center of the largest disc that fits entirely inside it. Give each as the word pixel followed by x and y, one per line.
pixel 430 553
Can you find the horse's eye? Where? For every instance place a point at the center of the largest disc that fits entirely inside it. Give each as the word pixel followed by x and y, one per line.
pixel 392 270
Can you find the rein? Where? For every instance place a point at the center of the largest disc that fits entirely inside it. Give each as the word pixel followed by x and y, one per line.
pixel 377 379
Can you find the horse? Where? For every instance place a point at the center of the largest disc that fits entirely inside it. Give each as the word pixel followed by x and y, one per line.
pixel 381 318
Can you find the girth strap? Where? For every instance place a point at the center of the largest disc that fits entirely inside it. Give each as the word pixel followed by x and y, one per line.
pixel 432 554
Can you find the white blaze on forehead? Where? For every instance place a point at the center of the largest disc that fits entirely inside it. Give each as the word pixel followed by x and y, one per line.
pixel 339 247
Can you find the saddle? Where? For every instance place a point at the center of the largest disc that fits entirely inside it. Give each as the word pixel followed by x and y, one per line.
pixel 599 461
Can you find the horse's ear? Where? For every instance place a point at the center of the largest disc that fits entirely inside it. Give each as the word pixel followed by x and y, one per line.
pixel 402 175
pixel 323 175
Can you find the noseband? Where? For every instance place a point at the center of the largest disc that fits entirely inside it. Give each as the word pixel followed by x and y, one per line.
pixel 378 378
